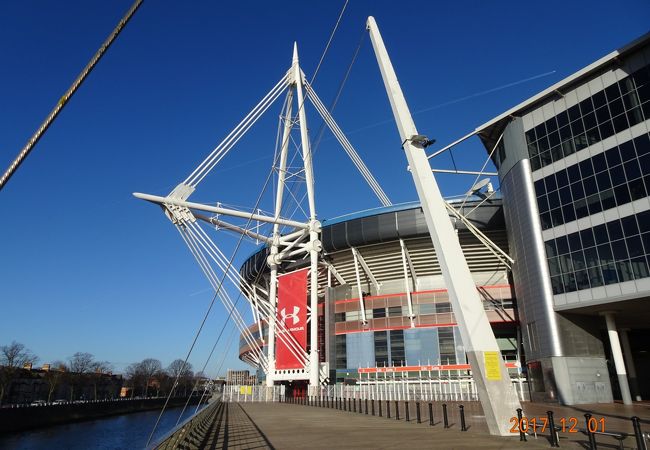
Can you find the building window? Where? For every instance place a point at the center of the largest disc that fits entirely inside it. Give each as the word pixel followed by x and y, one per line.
pixel 613 178
pixel 341 352
pixel 397 354
pixel 381 348
pixel 447 345
pixel 613 252
pixel 612 110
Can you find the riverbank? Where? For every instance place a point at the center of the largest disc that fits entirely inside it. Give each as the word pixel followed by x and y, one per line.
pixel 33 417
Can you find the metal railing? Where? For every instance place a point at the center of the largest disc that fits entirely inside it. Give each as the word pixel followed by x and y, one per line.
pixel 190 433
pixel 418 389
pixel 253 393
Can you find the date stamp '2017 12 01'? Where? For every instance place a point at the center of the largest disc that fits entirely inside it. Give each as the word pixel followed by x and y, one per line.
pixel 563 424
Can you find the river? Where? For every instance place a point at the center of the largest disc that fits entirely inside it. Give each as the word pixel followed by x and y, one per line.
pixel 125 432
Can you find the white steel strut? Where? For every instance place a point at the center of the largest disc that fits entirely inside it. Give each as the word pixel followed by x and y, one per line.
pixel 496 393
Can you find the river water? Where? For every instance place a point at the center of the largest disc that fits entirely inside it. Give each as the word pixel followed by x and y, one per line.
pixel 125 432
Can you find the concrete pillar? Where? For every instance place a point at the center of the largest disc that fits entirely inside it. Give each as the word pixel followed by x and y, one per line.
pixel 629 364
pixel 617 354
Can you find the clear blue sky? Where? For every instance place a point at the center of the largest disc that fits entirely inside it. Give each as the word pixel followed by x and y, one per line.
pixel 86 267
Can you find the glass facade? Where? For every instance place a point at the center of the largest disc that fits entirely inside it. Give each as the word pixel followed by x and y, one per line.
pixel 605 113
pixel 613 252
pixel 612 178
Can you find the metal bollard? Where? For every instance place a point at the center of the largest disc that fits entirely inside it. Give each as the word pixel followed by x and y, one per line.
pixel 445 419
pixel 407 412
pixel 396 410
pixel 387 409
pixel 430 414
pixel 372 404
pixel 345 406
pixel 463 427
pixel 355 405
pixel 360 408
pixel 522 435
pixel 590 435
pixel 418 419
pixel 367 407
pixel 638 434
pixel 551 423
pixel 379 404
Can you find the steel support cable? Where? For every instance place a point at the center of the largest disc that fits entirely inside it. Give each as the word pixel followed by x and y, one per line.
pixel 225 299
pixel 223 359
pixel 481 172
pixel 233 137
pixel 68 95
pixel 491 246
pixel 332 107
pixel 205 317
pixel 236 316
pixel 252 116
pixel 285 335
pixel 352 153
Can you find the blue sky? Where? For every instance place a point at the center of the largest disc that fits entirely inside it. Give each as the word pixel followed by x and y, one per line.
pixel 86 267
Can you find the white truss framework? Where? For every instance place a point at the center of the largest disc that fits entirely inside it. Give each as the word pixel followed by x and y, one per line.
pixel 289 238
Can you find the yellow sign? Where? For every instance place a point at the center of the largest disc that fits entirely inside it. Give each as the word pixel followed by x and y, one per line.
pixel 246 390
pixel 492 367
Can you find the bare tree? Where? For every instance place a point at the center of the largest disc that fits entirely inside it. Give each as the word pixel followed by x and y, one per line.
pixel 54 376
pixel 149 368
pixel 99 369
pixel 80 366
pixel 16 355
pixel 81 362
pixel 12 358
pixel 181 374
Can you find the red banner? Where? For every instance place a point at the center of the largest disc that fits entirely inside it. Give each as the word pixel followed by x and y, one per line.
pixel 292 311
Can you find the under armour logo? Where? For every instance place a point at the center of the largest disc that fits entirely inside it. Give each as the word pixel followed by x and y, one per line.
pixel 294 315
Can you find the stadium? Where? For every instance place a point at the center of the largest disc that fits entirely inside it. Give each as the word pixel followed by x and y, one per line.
pixel 402 325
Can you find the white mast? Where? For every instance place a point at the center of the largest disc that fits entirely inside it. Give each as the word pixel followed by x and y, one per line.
pixel 496 392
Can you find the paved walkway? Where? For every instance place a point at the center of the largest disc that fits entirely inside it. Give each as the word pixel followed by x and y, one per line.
pixel 288 426
pixel 292 426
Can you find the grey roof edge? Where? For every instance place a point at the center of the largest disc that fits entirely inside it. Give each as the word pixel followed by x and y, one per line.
pixel 570 80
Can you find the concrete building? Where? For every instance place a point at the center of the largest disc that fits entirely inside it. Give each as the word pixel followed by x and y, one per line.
pixel 574 166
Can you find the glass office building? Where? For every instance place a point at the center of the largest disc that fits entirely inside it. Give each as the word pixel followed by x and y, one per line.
pixel 574 166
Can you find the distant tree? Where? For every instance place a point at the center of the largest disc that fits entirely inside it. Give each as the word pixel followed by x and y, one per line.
pixel 180 373
pixel 80 365
pixel 16 355
pixel 81 362
pixel 148 368
pixel 54 376
pixel 134 377
pixel 99 369
pixel 13 358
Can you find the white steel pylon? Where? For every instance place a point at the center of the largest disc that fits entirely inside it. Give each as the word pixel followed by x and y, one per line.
pixel 289 238
pixel 495 389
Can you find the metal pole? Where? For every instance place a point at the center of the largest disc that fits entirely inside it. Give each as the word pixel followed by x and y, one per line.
pixel 445 418
pixel 551 423
pixel 638 434
pixel 314 226
pixel 590 434
pixel 496 393
pixel 463 427
pixel 430 414
pixel 66 97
